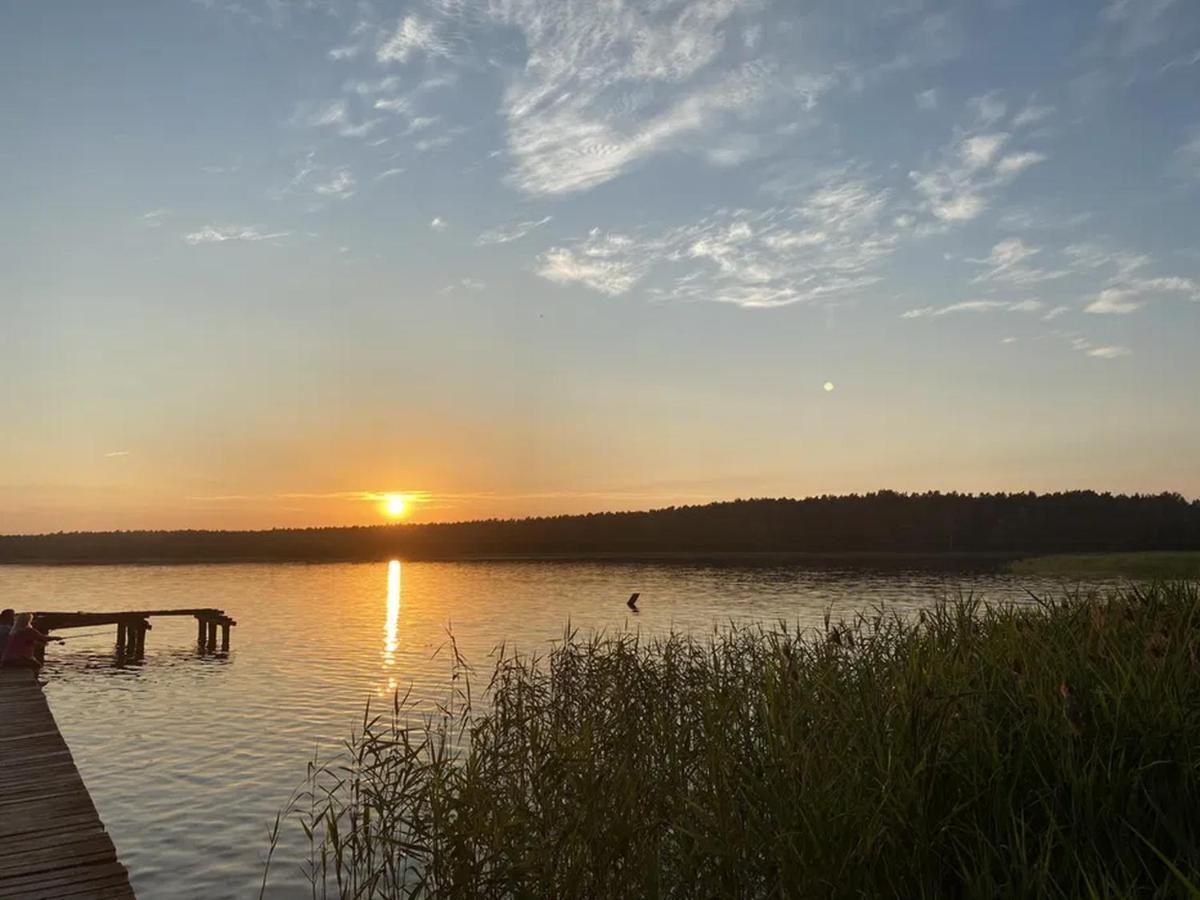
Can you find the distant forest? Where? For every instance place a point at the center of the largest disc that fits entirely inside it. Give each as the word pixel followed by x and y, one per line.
pixel 885 522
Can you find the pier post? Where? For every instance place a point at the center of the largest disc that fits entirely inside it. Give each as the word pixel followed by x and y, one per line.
pixel 199 631
pixel 139 649
pixel 212 635
pixel 225 636
pixel 121 638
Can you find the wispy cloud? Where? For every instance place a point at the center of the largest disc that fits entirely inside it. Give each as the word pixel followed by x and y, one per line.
pixel 113 454
pixel 512 231
pixel 1111 351
pixel 340 184
pixel 1187 158
pixel 607 86
pixel 1133 294
pixel 973 306
pixel 1086 346
pixel 1005 265
pixel 829 244
pixel 603 263
pixel 468 284
pixel 438 224
pixel 414 35
pixel 218 234
pixel 973 166
pixel 155 218
pixel 1015 163
pixel 1138 24
pixel 1032 114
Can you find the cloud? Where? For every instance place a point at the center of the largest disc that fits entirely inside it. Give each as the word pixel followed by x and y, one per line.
pixel 963 306
pixel 608 85
pixel 1138 24
pixel 424 146
pixel 113 454
pixel 420 123
pixel 341 184
pixel 564 265
pixel 388 173
pixel 957 188
pixel 927 99
pixel 1005 265
pixel 979 151
pixel 414 35
pixel 333 113
pixel 1112 301
pixel 1031 115
pixel 218 234
pixel 1133 294
pixel 155 218
pixel 513 231
pixel 830 244
pixel 988 108
pixel 438 224
pixel 1015 163
pixel 1084 345
pixel 469 284
pixel 1109 352
pixel 1181 62
pixel 1187 158
pixel 1085 256
pixel 973 306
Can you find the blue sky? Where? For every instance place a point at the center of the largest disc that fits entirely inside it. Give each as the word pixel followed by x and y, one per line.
pixel 263 260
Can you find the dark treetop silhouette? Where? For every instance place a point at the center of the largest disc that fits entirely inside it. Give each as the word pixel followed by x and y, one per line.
pixel 881 523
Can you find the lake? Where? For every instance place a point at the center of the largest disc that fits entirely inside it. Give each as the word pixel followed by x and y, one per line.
pixel 189 757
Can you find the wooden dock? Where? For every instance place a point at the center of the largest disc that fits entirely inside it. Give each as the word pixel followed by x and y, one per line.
pixel 52 842
pixel 132 625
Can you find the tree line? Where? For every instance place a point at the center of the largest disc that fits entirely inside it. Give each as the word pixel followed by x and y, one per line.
pixel 883 522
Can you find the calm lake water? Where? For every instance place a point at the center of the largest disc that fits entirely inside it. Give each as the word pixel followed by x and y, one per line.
pixel 189 757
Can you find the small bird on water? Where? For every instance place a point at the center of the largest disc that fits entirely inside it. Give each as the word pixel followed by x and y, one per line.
pixel 632 601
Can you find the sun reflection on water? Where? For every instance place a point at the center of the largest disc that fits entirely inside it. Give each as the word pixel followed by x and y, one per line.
pixel 391 624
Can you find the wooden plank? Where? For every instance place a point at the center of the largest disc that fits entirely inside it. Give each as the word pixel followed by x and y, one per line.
pixel 67 879
pixel 52 842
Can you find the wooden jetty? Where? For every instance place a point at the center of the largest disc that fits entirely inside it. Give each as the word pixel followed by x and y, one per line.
pixel 132 626
pixel 52 842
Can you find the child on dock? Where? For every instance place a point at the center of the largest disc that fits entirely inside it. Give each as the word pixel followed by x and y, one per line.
pixel 23 641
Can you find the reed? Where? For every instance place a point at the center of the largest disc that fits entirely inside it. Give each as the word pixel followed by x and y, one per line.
pixel 1049 749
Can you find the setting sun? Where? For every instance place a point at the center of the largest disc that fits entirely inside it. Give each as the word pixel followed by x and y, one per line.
pixel 395 506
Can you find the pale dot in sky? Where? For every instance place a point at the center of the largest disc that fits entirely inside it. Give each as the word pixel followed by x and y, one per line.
pixel 828 386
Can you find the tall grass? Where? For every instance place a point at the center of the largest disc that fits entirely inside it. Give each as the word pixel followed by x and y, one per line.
pixel 1045 750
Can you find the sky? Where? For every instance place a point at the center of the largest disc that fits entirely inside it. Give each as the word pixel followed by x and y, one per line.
pixel 264 263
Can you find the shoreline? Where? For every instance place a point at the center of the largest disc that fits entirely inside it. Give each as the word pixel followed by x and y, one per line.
pixel 682 556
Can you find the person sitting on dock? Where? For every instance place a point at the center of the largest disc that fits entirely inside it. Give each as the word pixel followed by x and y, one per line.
pixel 23 641
pixel 6 623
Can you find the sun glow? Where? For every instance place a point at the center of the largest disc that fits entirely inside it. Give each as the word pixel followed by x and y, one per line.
pixel 395 506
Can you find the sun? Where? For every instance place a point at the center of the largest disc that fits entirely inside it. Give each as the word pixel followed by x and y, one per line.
pixel 395 506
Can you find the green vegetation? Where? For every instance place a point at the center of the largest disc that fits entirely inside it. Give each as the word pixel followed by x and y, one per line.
pixel 1049 749
pixel 1182 564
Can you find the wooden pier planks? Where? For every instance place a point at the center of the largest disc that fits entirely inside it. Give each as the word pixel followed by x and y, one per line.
pixel 52 842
